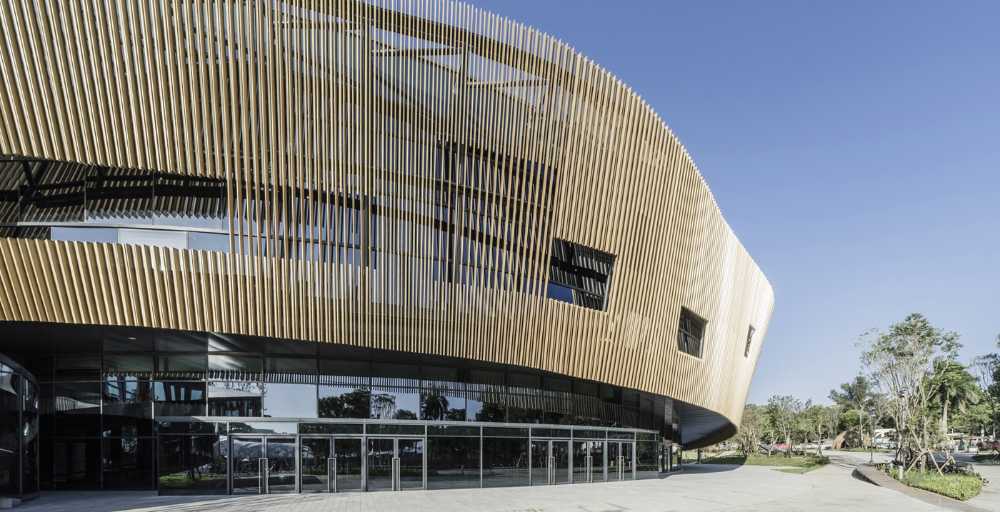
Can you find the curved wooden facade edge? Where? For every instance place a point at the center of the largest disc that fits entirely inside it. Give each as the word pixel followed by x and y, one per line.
pixel 295 101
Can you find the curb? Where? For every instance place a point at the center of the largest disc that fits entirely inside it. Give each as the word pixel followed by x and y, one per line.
pixel 876 477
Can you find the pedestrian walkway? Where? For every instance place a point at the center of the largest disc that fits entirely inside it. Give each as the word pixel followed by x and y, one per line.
pixel 696 488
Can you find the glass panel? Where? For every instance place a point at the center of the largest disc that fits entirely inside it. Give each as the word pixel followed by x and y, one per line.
pixel 411 464
pixel 614 463
pixel 394 403
pixel 628 457
pixel 179 398
pixel 189 427
pixel 247 452
pixel 621 435
pixel 102 235
pixel 452 462
pixel 598 460
pixel 380 454
pixel 394 428
pixel 128 363
pixel 589 434
pixel 289 400
pixel 235 398
pixel 128 407
pixel 344 402
pixel 76 463
pixel 280 465
pixel 452 430
pixel 315 453
pixel 292 365
pixel 218 342
pixel 647 459
pixel 78 408
pixel 226 362
pixel 127 341
pixel 539 462
pixel 128 463
pixel 182 363
pixel 441 404
pixel 550 432
pixel 505 461
pixel 78 367
pixel 9 433
pixel 581 452
pixel 263 427
pixel 349 454
pixel 331 428
pixel 560 454
pixel 193 464
pixel 505 432
pixel 181 341
pixel 208 241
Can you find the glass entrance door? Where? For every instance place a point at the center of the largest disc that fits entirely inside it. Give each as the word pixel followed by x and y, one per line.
pixel 588 461
pixel 549 462
pixel 349 456
pixel 381 453
pixel 621 460
pixel 539 457
pixel 247 466
pixel 395 464
pixel 628 461
pixel 410 465
pixel 281 455
pixel 560 462
pixel 614 462
pixel 316 460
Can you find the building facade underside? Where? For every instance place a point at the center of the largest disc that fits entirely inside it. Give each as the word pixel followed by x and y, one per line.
pixel 340 245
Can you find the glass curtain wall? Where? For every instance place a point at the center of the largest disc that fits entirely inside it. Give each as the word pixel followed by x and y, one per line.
pixel 100 394
pixel 19 408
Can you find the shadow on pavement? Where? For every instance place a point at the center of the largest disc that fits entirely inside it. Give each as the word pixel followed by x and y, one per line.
pixel 709 468
pixel 111 501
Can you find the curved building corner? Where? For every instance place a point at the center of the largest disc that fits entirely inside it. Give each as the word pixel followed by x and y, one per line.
pixel 346 245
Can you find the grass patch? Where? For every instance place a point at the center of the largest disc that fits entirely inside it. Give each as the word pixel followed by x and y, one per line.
pixel 952 485
pixel 797 471
pixel 795 461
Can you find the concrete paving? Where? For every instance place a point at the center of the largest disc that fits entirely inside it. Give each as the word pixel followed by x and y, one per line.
pixel 696 488
pixel 989 498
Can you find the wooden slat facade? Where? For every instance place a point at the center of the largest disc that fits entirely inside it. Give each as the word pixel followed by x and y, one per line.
pixel 303 104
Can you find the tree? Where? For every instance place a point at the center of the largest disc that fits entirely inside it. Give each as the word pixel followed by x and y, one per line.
pixel 752 430
pixel 954 389
pixel 987 371
pixel 783 411
pixel 854 396
pixel 820 420
pixel 903 363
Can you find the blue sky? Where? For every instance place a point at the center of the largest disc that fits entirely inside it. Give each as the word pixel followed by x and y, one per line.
pixel 853 146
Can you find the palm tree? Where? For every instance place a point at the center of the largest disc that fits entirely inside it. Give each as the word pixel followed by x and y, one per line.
pixel 855 396
pixel 954 388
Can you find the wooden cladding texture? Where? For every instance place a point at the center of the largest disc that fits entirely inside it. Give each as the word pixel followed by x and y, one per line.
pixel 395 174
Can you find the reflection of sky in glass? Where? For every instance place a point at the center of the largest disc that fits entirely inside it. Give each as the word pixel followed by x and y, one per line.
pixel 290 400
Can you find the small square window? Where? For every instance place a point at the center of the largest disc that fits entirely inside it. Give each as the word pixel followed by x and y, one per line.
pixel 690 333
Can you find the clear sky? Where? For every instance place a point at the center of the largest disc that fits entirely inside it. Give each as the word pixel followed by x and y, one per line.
pixel 854 147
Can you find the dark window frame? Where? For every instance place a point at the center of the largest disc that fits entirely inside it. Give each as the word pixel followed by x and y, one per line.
pixel 691 330
pixel 750 332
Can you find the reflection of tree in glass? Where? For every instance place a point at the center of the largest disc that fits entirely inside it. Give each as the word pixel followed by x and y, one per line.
pixel 383 406
pixel 434 405
pixel 491 411
pixel 354 404
pixel 404 414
